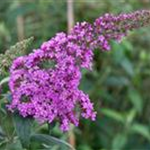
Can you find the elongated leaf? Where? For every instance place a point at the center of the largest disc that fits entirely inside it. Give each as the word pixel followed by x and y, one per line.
pixel 16 145
pixel 113 115
pixel 117 81
pixel 130 116
pixel 127 66
pixel 136 100
pixel 5 80
pixel 2 134
pixel 23 129
pixel 141 129
pixel 119 141
pixel 50 140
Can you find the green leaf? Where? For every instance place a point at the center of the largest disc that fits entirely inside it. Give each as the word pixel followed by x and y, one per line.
pixel 127 45
pixel 15 145
pixel 118 53
pixel 117 81
pixel 141 129
pixel 2 134
pixel 5 80
pixel 8 97
pixel 50 140
pixel 130 116
pixel 4 32
pixel 136 100
pixel 119 141
pixel 113 115
pixel 127 66
pixel 23 129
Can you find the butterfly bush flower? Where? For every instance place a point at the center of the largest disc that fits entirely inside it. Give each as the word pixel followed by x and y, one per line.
pixel 52 93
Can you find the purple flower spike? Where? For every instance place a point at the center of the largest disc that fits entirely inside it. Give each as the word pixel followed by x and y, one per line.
pixel 52 93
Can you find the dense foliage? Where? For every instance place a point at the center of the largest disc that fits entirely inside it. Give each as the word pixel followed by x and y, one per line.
pixel 119 84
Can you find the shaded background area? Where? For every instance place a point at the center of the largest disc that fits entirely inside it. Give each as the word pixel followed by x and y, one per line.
pixel 119 84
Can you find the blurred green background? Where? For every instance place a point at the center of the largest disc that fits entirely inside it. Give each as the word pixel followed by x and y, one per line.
pixel 119 84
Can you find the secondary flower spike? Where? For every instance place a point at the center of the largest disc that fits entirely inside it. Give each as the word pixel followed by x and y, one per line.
pixel 48 93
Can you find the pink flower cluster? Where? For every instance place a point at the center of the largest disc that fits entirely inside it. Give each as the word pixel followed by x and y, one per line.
pixel 52 93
